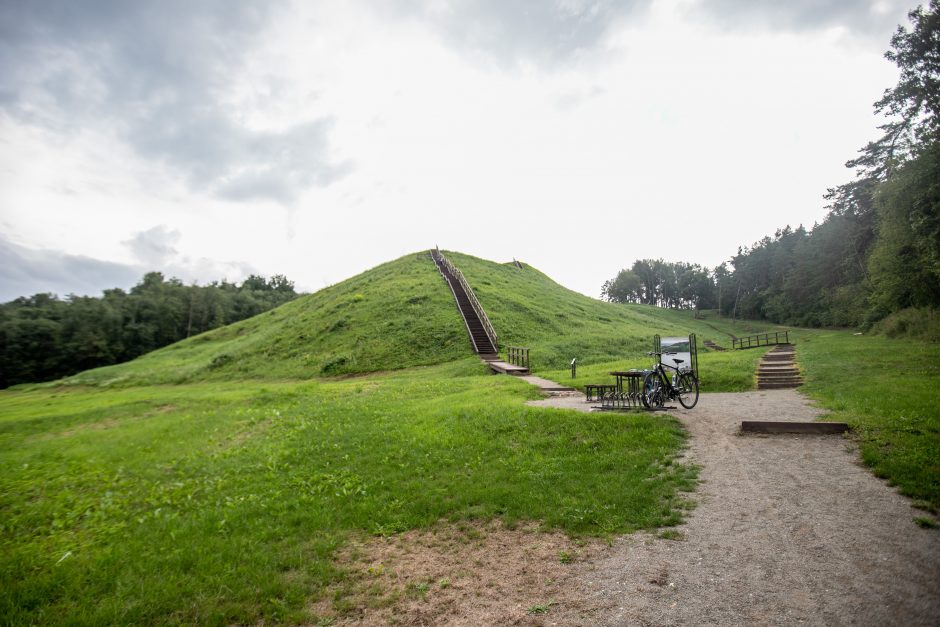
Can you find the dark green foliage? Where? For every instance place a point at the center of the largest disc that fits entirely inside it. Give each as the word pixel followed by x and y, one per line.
pixel 43 337
pixel 905 261
pixel 656 282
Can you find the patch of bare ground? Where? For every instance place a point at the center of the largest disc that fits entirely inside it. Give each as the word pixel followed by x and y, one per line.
pixel 458 574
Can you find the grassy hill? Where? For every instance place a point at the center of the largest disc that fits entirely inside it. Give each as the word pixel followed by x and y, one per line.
pixel 401 314
pixel 397 315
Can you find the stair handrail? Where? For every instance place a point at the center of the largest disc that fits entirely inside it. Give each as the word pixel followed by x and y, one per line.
pixel 474 302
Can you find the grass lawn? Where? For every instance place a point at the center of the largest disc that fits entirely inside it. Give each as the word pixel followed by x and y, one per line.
pixel 224 502
pixel 888 390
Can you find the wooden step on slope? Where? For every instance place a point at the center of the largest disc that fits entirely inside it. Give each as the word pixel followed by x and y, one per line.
pixel 478 338
pixel 502 367
pixel 712 346
pixel 778 370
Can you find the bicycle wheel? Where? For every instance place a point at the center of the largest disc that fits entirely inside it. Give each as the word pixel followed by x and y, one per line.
pixel 688 390
pixel 652 391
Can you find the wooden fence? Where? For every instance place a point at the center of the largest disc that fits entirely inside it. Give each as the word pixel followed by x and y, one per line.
pixel 518 356
pixel 761 339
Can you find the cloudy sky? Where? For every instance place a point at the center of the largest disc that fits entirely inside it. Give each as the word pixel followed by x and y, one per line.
pixel 212 138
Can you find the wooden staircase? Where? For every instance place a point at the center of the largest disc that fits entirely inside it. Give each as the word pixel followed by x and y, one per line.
pixel 777 370
pixel 482 335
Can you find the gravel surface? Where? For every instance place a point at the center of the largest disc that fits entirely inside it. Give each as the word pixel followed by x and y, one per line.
pixel 789 529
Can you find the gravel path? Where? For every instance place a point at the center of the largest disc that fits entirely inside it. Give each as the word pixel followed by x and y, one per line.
pixel 788 530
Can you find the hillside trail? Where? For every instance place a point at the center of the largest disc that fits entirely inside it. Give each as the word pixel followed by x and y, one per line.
pixel 788 529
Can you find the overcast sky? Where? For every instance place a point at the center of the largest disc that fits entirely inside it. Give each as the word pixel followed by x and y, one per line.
pixel 212 139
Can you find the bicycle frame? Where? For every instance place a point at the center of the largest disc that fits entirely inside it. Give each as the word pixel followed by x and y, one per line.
pixel 666 380
pixel 660 387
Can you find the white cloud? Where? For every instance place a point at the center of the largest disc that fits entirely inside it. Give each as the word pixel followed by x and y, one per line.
pixel 339 135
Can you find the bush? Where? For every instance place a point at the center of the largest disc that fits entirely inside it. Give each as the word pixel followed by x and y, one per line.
pixel 334 365
pixel 922 323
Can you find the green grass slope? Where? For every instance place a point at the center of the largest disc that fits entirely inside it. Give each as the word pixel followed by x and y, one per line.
pixel 397 315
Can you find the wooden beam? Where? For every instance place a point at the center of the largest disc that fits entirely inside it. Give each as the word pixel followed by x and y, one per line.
pixel 767 426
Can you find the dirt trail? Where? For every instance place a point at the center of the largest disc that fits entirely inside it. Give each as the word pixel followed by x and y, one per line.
pixel 789 530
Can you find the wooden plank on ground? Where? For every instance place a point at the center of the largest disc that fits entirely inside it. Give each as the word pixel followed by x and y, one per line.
pixel 505 368
pixel 769 426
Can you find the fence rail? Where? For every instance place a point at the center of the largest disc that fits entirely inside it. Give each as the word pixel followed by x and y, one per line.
pixel 477 307
pixel 518 356
pixel 761 339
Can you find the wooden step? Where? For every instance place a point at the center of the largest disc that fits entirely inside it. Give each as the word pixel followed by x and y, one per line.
pixel 770 426
pixel 503 367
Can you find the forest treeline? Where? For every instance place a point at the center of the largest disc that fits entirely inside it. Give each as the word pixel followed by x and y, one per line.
pixel 43 337
pixel 876 255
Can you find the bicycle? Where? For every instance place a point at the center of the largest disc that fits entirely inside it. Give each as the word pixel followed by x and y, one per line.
pixel 658 386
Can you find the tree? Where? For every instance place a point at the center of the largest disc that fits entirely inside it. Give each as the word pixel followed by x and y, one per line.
pixel 905 261
pixel 626 287
pixel 913 105
pixel 43 337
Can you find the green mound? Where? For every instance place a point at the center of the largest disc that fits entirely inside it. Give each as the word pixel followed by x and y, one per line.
pixel 402 314
pixel 397 315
